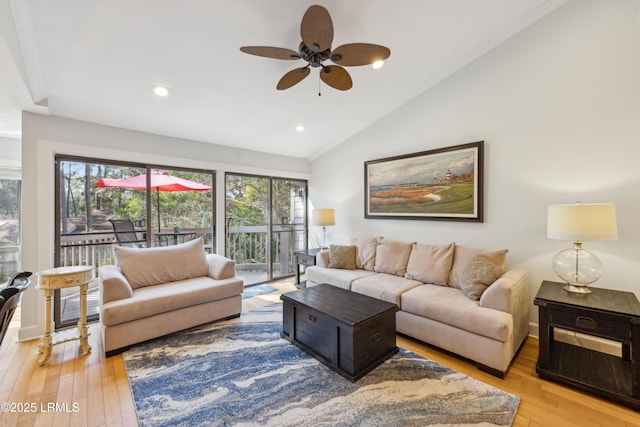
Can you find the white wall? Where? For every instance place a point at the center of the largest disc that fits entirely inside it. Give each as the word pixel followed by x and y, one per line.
pixel 44 136
pixel 558 107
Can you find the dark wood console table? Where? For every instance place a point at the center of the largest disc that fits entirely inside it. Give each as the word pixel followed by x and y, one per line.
pixel 307 258
pixel 604 313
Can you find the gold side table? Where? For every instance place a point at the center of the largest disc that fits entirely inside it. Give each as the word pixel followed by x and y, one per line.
pixel 59 278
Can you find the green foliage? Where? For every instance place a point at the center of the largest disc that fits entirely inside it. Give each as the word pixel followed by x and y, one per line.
pixel 247 201
pixel 187 209
pixel 9 197
pixel 247 205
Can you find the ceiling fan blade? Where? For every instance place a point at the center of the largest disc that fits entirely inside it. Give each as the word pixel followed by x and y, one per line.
pixel 316 29
pixel 292 78
pixel 336 77
pixel 354 54
pixel 271 52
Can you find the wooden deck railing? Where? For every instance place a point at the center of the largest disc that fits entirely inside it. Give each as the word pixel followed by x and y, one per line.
pixel 96 248
pixel 8 261
pixel 246 245
pixel 87 249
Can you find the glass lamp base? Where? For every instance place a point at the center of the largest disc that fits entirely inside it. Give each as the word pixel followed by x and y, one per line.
pixel 577 268
pixel 577 289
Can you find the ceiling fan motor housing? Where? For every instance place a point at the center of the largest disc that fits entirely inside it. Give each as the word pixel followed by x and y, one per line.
pixel 314 59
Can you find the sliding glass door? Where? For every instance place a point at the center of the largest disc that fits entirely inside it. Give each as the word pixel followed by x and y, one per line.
pixel 265 224
pixel 288 219
pixel 162 205
pixel 247 218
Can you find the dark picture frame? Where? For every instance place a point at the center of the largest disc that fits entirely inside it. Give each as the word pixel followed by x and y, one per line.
pixel 444 184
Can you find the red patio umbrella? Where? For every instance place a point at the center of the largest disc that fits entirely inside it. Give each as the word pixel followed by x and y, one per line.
pixel 160 181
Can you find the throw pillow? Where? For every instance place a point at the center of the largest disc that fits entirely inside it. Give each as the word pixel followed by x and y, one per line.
pixel 463 255
pixel 155 266
pixel 392 257
pixel 430 263
pixel 342 257
pixel 365 252
pixel 477 276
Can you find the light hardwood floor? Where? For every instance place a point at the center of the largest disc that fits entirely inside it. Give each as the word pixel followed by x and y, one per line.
pixel 92 390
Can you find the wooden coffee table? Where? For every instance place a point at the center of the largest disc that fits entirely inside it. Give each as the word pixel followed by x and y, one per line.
pixel 349 332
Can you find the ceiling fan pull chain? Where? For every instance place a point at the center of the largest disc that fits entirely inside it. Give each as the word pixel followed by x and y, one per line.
pixel 319 86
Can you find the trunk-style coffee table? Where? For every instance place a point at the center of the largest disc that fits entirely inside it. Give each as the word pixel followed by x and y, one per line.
pixel 349 332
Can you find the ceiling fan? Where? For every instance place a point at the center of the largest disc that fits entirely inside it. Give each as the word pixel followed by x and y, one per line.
pixel 316 30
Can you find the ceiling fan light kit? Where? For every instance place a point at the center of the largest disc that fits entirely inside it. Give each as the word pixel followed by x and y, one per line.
pixel 316 31
pixel 160 91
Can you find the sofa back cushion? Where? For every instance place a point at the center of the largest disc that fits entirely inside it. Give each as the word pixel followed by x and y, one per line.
pixel 392 257
pixel 365 252
pixel 342 257
pixel 463 255
pixel 154 266
pixel 430 263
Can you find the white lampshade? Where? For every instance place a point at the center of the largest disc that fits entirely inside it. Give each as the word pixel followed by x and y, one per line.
pixel 578 223
pixel 323 217
pixel 582 222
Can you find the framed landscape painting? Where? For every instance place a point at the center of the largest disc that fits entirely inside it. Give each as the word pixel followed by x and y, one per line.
pixel 441 184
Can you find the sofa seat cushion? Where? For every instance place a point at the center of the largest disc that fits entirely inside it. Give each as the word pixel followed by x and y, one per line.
pixel 452 307
pixel 386 287
pixel 335 277
pixel 152 300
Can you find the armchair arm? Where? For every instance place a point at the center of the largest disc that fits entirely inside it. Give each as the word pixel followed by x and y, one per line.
pixel 114 285
pixel 221 267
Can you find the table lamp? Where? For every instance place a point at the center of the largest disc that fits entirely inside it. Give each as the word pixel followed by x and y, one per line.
pixel 323 218
pixel 577 223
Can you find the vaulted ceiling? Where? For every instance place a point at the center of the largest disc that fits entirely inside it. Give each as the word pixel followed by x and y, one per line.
pixel 98 61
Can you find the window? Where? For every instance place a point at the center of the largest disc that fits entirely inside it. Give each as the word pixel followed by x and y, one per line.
pixel 165 206
pixel 9 227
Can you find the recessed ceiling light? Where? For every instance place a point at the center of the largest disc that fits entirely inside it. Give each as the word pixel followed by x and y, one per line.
pixel 161 91
pixel 300 128
pixel 377 64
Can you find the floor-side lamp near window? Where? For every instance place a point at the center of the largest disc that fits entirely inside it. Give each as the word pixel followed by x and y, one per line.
pixel 323 218
pixel 577 223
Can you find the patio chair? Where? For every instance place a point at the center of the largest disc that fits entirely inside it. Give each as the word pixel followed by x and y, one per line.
pixel 10 298
pixel 126 234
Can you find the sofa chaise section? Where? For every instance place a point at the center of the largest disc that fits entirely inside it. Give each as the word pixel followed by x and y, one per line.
pixel 156 291
pixel 488 334
pixel 457 298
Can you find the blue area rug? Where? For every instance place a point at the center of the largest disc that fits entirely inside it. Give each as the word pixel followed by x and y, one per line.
pixel 252 291
pixel 241 373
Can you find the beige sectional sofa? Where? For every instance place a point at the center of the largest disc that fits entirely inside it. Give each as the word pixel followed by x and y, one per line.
pixel 156 291
pixel 455 297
